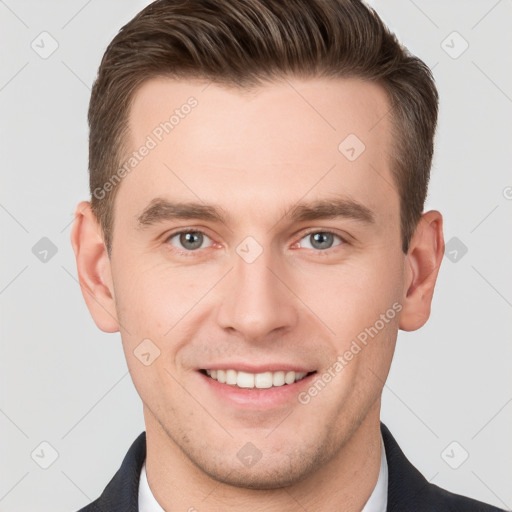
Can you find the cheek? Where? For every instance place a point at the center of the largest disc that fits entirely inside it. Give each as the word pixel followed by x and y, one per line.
pixel 351 297
pixel 148 309
pixel 151 299
pixel 157 309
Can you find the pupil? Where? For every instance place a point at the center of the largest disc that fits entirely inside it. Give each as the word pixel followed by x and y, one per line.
pixel 187 240
pixel 323 240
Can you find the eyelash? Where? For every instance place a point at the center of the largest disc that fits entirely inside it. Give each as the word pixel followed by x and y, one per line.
pixel 194 252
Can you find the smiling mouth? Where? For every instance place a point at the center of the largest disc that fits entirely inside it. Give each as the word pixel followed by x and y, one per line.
pixel 263 380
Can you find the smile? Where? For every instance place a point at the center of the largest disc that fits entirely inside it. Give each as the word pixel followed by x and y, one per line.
pixel 247 380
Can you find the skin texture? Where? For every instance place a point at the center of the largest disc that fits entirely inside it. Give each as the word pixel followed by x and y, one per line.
pixel 255 155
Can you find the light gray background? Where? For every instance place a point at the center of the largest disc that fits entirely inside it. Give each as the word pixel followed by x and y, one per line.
pixel 64 382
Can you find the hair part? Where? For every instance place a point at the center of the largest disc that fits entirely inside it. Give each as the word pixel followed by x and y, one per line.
pixel 248 43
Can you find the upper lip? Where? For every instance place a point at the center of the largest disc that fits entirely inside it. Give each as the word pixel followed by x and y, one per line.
pixel 261 368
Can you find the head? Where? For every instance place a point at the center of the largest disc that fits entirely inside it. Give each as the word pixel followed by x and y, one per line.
pixel 303 132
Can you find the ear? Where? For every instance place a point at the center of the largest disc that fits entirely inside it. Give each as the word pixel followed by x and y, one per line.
pixel 93 265
pixel 423 260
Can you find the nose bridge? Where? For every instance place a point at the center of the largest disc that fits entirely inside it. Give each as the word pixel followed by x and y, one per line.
pixel 256 302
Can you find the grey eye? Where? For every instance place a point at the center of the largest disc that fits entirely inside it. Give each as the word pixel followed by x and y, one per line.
pixel 189 240
pixel 320 240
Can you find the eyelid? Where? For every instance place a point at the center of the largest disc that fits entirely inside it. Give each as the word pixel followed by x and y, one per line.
pixel 323 230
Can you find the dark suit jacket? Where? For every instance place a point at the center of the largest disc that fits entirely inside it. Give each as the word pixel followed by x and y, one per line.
pixel 408 490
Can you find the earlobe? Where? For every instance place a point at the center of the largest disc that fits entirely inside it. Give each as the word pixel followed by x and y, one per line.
pixel 93 266
pixel 423 261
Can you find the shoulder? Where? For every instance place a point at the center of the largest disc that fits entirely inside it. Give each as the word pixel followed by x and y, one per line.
pixel 437 499
pixel 456 502
pixel 121 493
pixel 409 490
pixel 91 508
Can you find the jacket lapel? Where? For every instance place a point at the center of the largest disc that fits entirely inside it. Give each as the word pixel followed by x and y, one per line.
pixel 408 489
pixel 122 492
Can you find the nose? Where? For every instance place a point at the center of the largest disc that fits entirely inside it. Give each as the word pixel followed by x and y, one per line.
pixel 256 299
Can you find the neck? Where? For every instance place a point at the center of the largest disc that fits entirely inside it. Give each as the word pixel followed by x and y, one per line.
pixel 346 480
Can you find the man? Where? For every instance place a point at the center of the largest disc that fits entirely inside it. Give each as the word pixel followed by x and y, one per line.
pixel 258 172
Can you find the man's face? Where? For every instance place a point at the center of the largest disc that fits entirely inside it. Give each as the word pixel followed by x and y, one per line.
pixel 268 288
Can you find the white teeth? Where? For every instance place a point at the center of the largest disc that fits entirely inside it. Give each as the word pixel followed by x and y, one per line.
pixel 263 380
pixel 244 380
pixel 278 379
pixel 231 377
pixel 289 378
pixel 255 380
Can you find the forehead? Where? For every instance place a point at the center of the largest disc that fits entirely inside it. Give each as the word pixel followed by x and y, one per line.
pixel 284 139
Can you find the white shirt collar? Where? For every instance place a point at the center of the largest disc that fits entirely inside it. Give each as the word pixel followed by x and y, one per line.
pixel 377 502
pixel 147 502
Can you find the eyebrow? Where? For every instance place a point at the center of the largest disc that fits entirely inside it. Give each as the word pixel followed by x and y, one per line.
pixel 160 210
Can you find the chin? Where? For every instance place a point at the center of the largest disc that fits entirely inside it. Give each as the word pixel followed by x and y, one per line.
pixel 265 479
pixel 268 473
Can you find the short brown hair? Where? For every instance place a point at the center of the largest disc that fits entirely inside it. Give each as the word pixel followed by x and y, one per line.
pixel 244 43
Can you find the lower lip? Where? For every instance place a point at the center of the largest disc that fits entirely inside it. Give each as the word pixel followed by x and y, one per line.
pixel 254 398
